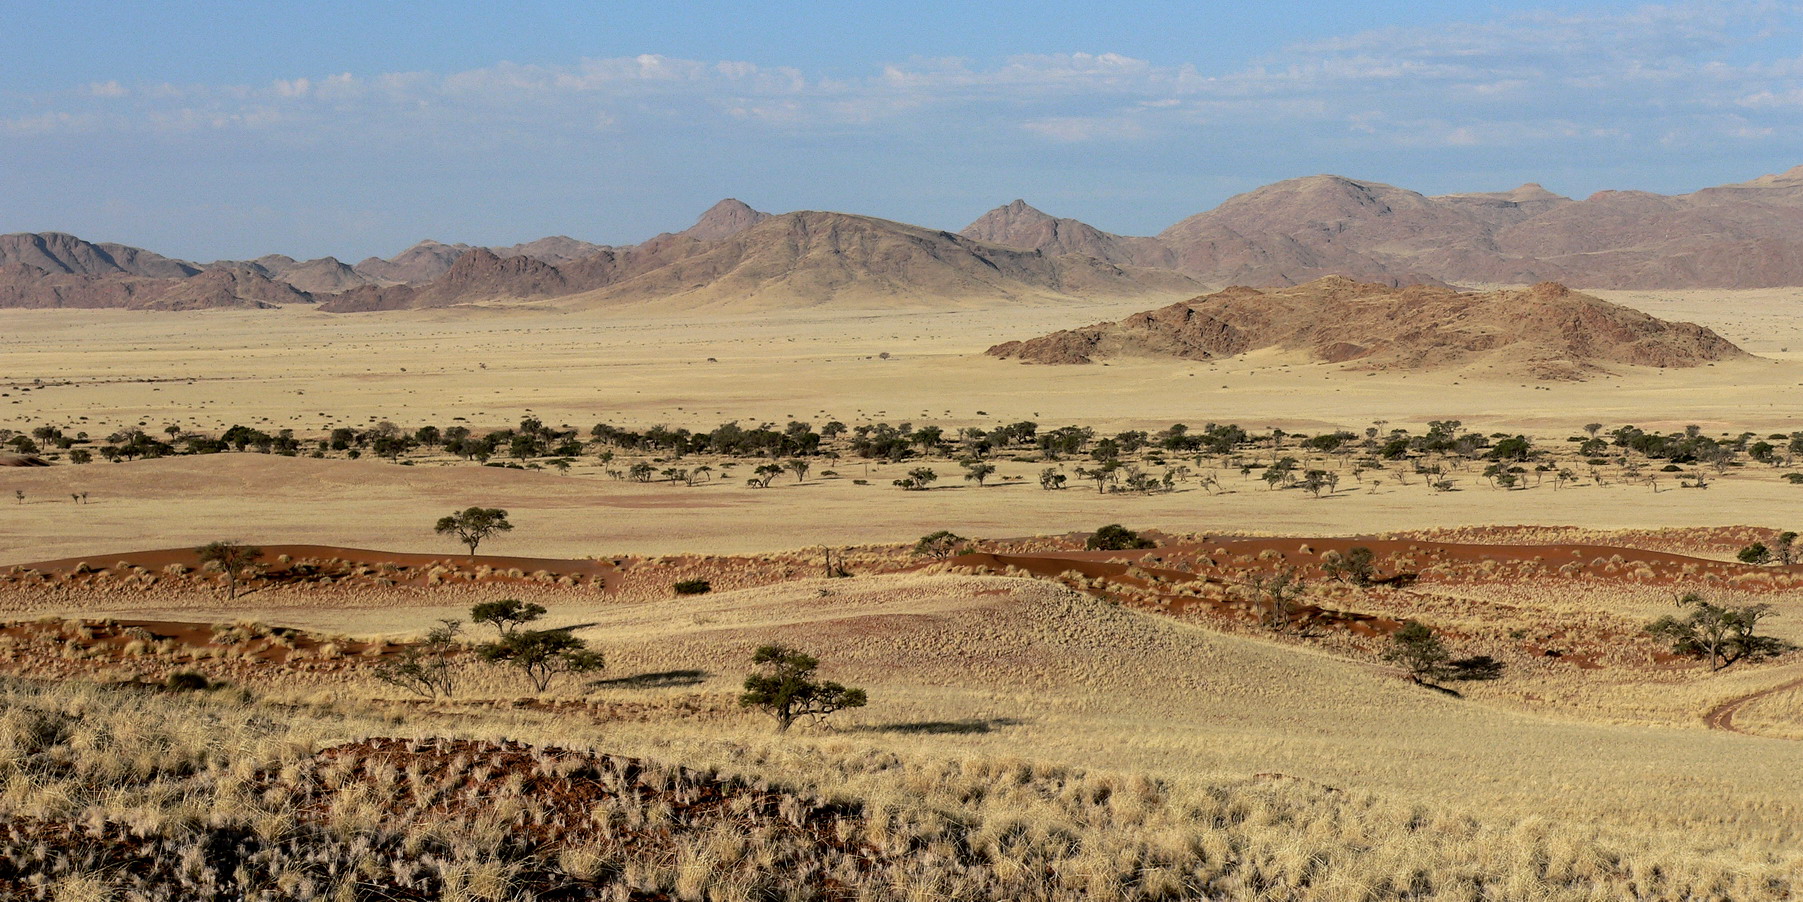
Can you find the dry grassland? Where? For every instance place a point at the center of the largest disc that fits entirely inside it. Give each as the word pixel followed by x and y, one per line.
pixel 1071 728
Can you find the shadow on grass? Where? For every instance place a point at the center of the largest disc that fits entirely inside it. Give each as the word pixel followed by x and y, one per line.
pixel 941 727
pixel 667 679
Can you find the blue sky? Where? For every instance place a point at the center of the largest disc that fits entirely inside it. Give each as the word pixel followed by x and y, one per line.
pixel 214 129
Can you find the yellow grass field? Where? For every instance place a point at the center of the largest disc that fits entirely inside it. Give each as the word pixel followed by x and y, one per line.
pixel 1027 736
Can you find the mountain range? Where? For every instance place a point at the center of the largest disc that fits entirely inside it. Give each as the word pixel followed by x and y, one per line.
pixel 1745 235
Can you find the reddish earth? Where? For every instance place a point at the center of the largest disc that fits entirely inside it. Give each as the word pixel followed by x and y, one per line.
pixel 426 793
pixel 1205 577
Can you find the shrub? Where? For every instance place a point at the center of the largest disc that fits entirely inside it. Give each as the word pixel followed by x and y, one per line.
pixel 1115 537
pixel 692 587
pixel 187 681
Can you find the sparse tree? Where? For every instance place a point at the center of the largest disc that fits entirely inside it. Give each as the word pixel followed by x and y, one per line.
pixel 766 473
pixel 1415 647
pixel 917 479
pixel 1719 634
pixel 1784 545
pixel 507 614
pixel 543 654
pixel 799 467
pixel 977 471
pixel 785 688
pixel 1050 479
pixel 472 525
pixel 425 668
pixel 1357 566
pixel 230 557
pixel 1279 589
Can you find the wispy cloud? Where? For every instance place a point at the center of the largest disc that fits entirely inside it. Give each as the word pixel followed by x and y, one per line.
pixel 1518 80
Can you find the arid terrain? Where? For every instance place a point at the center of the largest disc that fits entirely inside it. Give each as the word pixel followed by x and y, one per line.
pixel 1043 721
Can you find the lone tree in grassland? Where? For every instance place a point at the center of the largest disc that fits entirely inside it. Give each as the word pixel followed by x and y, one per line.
pixel 1719 634
pixel 977 471
pixel 1419 651
pixel 507 614
pixel 474 524
pixel 425 668
pixel 785 687
pixel 917 479
pixel 937 545
pixel 230 557
pixel 799 467
pixel 543 654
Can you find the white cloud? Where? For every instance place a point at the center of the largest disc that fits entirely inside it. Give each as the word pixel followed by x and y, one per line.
pixel 1524 79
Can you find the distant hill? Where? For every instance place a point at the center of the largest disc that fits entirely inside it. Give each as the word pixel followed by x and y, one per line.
pixel 23 285
pixel 1745 235
pixel 795 259
pixel 58 253
pixel 1546 332
pixel 814 258
pixel 1019 224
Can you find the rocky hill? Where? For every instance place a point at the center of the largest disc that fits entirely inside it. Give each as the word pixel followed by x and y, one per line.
pixel 1746 235
pixel 24 285
pixel 1546 332
pixel 814 257
pixel 1019 224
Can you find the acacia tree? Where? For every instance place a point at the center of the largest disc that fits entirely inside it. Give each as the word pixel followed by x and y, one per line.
pixel 425 668
pixel 785 687
pixel 230 557
pixel 474 524
pixel 1279 589
pixel 1719 634
pixel 978 470
pixel 917 479
pixel 543 654
pixel 1419 651
pixel 1357 566
pixel 507 614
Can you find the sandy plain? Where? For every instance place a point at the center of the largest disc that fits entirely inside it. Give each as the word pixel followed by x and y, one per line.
pixel 308 371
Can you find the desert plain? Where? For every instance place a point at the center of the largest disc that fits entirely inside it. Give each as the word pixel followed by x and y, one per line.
pixel 1043 721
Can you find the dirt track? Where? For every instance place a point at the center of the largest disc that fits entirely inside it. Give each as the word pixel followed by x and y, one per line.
pixel 1721 717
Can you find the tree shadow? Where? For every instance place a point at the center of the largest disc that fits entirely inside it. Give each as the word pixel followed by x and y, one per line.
pixel 667 679
pixel 941 727
pixel 1478 667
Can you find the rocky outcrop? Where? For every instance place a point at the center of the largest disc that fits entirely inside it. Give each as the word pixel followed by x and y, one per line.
pixel 1547 331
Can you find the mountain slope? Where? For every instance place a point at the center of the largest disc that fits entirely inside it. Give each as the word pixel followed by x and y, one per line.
pixel 1548 331
pixel 811 257
pixel 1019 224
pixel 56 252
